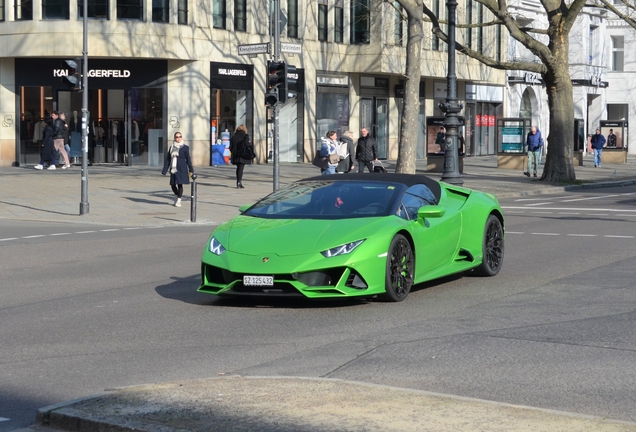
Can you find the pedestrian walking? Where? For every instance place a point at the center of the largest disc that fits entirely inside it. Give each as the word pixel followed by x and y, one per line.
pixel 241 153
pixel 348 151
pixel 179 163
pixel 47 159
pixel 58 137
pixel 534 141
pixel 598 143
pixel 366 152
pixel 329 150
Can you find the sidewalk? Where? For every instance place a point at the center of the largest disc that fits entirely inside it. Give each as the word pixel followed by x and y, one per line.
pixel 140 195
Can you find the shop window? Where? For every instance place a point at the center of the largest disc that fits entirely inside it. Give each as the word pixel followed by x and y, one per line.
pixel 161 11
pixel 130 10
pixel 398 27
pixel 360 22
pixel 590 44
pixel 292 18
pixel 218 14
pixel 240 15
pixel 2 14
pixel 182 12
pixel 322 22
pixel 55 9
pixel 96 9
pixel 332 112
pixel 618 53
pixel 23 10
pixel 338 35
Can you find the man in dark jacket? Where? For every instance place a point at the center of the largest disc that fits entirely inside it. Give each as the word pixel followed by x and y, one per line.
pixel 366 152
pixel 58 137
pixel 598 142
pixel 534 141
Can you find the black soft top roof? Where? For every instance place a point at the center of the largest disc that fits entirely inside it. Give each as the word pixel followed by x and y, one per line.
pixel 406 179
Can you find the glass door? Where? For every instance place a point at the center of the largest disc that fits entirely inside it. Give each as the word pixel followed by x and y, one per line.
pixel 374 117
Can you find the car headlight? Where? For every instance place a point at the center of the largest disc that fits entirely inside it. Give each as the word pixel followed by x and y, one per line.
pixel 342 249
pixel 215 247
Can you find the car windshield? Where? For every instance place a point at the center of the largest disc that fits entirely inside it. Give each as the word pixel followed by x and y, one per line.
pixel 328 200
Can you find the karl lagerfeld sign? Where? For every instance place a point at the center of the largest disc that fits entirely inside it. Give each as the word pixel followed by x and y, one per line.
pixel 96 73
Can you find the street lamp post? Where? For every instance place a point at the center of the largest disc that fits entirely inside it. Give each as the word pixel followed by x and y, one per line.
pixel 84 205
pixel 451 108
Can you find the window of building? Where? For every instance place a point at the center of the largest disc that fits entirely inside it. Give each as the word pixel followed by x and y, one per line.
pixel 23 10
pixel 338 32
pixel 55 9
pixel 2 14
pixel 240 15
pixel 469 19
pixel 590 45
pixel 96 9
pixel 322 22
pixel 360 22
pixel 435 39
pixel 161 11
pixel 618 53
pixel 480 30
pixel 498 44
pixel 130 9
pixel 398 24
pixel 292 18
pixel 182 12
pixel 218 14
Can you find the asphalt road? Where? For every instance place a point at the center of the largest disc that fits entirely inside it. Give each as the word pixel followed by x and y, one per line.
pixel 86 308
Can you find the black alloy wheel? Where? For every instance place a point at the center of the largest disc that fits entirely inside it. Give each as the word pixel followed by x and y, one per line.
pixel 492 247
pixel 400 265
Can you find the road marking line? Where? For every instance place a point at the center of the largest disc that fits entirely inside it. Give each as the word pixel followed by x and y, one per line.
pixel 548 234
pixel 85 232
pixel 59 234
pixel 619 236
pixel 598 214
pixel 515 232
pixel 591 198
pixel 566 213
pixel 135 228
pixel 541 212
pixel 7 239
pixel 34 236
pixel 107 230
pixel 582 235
pixel 572 209
pixel 539 204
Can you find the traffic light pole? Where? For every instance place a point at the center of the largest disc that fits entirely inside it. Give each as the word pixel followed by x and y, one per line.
pixel 276 107
pixel 84 206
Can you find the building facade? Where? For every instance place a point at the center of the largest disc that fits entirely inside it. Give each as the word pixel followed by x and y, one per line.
pixel 162 66
pixel 600 68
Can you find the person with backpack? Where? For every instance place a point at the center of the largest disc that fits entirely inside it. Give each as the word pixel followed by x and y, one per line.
pixel 346 151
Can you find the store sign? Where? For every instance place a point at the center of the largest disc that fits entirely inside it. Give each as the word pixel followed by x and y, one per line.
pixel 232 72
pixel 332 80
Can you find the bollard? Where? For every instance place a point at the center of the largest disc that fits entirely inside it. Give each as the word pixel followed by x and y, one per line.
pixel 193 199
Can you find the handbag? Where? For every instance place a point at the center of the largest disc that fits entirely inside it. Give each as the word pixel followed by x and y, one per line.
pixel 334 158
pixel 318 161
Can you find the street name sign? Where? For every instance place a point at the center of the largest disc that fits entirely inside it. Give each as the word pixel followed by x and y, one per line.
pixel 293 48
pixel 249 49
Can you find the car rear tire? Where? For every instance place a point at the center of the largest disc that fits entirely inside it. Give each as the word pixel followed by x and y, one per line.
pixel 400 266
pixel 492 248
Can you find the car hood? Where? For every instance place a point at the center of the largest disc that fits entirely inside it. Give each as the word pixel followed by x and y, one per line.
pixel 285 237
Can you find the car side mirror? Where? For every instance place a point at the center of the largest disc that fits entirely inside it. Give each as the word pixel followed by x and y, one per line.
pixel 430 211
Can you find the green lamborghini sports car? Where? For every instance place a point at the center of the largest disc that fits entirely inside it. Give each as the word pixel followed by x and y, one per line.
pixel 354 235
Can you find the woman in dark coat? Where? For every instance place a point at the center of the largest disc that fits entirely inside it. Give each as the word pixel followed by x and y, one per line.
pixel 242 151
pixel 48 149
pixel 179 164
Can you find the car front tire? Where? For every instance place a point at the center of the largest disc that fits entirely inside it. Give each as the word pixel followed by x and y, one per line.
pixel 492 248
pixel 400 266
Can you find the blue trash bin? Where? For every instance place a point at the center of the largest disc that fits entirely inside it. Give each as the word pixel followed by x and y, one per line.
pixel 217 154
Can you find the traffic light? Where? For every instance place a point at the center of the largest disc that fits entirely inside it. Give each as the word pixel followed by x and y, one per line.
pixel 289 81
pixel 73 77
pixel 275 82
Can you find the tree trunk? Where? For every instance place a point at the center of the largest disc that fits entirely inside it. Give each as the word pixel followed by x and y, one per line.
pixel 559 163
pixel 407 146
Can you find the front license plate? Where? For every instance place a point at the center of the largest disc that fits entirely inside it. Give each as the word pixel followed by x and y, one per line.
pixel 258 280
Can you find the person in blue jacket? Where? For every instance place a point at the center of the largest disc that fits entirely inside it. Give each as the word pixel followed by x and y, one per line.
pixel 534 141
pixel 598 142
pixel 179 164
